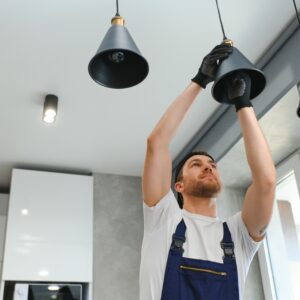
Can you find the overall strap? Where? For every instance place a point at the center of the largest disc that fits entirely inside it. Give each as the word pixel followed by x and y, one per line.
pixel 227 244
pixel 178 238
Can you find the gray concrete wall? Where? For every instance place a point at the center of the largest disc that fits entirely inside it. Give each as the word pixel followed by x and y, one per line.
pixel 3 217
pixel 230 202
pixel 3 204
pixel 118 230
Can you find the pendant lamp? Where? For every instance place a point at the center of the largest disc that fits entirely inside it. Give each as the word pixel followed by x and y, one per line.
pixel 118 62
pixel 234 63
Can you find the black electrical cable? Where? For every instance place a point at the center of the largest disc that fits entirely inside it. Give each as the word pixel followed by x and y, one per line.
pixel 296 11
pixel 224 36
pixel 117 3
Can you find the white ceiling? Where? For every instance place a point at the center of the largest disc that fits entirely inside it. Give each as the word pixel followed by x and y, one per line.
pixel 45 47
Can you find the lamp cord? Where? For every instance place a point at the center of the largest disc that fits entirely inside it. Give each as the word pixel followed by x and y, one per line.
pixel 117 3
pixel 296 11
pixel 224 36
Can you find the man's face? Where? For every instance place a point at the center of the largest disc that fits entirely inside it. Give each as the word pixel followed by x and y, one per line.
pixel 200 177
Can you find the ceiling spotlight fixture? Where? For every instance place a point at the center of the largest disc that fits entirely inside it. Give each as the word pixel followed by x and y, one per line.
pixel 50 108
pixel 118 62
pixel 235 62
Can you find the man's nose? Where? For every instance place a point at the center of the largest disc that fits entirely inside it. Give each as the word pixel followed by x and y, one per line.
pixel 208 168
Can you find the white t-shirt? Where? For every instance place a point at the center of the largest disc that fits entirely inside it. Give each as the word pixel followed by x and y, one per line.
pixel 203 236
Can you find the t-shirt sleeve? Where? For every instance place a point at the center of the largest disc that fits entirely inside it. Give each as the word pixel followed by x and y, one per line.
pixel 156 216
pixel 247 246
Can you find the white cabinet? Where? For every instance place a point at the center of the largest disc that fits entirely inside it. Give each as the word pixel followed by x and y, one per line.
pixel 49 233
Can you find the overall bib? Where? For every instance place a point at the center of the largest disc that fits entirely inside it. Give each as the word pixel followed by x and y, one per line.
pixel 195 279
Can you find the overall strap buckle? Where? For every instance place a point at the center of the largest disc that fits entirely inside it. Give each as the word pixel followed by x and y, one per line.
pixel 227 244
pixel 177 242
pixel 228 249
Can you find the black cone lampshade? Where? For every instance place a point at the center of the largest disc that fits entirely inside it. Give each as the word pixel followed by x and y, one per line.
pixel 118 62
pixel 237 62
pixel 230 66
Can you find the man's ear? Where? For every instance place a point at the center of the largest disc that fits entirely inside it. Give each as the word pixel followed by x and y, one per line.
pixel 179 186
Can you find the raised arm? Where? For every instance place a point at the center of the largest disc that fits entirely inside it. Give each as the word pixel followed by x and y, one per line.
pixel 259 198
pixel 158 164
pixel 157 173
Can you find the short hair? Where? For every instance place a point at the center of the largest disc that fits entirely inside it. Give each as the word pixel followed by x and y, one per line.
pixel 179 169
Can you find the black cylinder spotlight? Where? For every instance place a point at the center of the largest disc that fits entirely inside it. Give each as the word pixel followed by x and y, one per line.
pixel 118 62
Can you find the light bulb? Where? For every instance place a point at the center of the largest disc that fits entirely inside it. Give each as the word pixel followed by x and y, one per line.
pixel 50 112
pixel 50 108
pixel 117 57
pixel 49 119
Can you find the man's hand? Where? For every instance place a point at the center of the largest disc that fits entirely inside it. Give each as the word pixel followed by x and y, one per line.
pixel 238 89
pixel 208 69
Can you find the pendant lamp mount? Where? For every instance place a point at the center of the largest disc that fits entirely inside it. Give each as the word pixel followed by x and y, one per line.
pixel 228 42
pixel 117 19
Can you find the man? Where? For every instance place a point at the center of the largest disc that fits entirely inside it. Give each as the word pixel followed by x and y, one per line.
pixel 189 253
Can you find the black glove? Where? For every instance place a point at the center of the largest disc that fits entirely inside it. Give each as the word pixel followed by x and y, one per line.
pixel 210 63
pixel 238 89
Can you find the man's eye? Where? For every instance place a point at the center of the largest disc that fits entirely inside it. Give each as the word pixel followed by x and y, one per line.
pixel 214 166
pixel 195 164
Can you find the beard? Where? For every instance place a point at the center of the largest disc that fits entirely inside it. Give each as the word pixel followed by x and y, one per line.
pixel 203 188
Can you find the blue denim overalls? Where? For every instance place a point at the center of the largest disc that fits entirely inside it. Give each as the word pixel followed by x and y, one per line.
pixel 194 279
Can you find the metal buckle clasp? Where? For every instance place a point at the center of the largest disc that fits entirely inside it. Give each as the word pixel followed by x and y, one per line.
pixel 228 249
pixel 177 242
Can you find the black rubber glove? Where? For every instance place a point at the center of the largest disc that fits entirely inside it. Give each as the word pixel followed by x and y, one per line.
pixel 238 89
pixel 210 63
